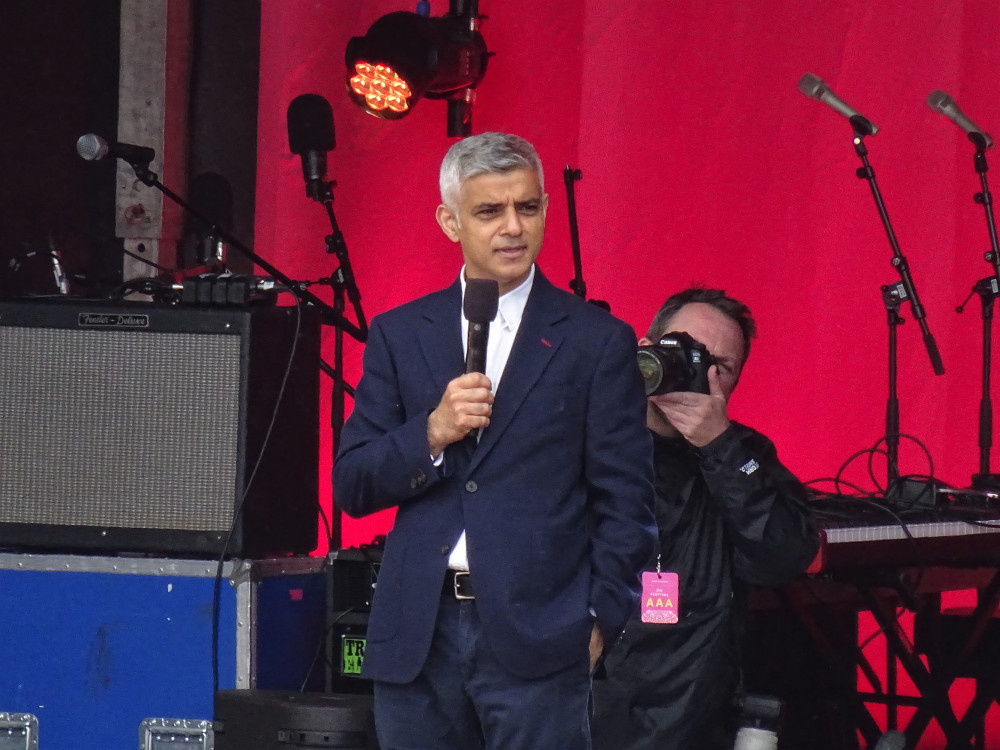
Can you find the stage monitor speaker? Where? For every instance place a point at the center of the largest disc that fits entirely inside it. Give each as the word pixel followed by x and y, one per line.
pixel 275 720
pixel 140 428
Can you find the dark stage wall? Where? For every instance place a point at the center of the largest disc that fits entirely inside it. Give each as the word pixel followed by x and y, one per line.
pixel 701 162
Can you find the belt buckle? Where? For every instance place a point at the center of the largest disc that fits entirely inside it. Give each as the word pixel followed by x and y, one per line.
pixel 458 595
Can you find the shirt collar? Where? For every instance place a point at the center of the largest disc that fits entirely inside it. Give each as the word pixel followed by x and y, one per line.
pixel 511 304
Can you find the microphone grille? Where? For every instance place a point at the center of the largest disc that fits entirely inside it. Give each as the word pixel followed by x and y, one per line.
pixel 938 100
pixel 310 124
pixel 811 86
pixel 482 298
pixel 91 147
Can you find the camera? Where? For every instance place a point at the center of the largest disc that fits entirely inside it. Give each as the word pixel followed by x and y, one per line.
pixel 760 719
pixel 677 363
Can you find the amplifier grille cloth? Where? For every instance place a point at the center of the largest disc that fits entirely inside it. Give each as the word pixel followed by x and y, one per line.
pixel 118 428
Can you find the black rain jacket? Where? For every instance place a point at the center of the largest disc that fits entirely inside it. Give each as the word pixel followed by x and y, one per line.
pixel 730 516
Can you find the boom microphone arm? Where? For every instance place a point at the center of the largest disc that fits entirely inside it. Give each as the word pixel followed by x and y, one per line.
pixel 330 315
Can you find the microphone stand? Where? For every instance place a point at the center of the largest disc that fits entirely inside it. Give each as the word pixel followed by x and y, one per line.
pixel 577 284
pixel 329 315
pixel 342 282
pixel 904 290
pixel 988 291
pixel 892 296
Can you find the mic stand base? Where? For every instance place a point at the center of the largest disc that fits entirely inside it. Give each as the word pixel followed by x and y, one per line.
pixel 985 481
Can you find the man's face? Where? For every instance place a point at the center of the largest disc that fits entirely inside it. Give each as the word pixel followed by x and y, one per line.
pixel 499 222
pixel 719 333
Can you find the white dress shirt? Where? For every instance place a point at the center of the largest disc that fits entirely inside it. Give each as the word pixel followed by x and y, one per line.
pixel 503 329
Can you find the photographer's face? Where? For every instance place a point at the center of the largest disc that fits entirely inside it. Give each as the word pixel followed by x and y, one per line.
pixel 719 333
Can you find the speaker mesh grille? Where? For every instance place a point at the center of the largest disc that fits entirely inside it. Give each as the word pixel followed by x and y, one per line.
pixel 99 427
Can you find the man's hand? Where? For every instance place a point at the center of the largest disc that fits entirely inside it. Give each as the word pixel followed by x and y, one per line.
pixel 596 645
pixel 698 417
pixel 466 405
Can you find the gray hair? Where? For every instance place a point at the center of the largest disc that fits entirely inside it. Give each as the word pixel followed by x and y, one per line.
pixel 481 154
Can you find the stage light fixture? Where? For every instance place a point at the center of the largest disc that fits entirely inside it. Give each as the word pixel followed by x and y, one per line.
pixel 407 56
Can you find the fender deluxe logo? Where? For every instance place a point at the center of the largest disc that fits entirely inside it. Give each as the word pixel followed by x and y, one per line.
pixel 111 320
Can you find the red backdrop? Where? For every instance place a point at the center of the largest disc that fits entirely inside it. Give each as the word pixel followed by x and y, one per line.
pixel 701 162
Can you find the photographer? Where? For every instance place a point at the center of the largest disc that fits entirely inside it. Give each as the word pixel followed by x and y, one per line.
pixel 729 516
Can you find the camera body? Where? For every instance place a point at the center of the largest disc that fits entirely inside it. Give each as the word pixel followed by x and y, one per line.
pixel 677 363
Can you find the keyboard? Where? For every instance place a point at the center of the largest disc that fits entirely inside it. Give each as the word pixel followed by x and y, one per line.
pixel 856 535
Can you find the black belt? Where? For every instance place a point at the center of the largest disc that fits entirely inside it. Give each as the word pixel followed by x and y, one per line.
pixel 459 584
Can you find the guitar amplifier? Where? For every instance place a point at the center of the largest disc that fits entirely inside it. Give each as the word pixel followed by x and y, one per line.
pixel 148 428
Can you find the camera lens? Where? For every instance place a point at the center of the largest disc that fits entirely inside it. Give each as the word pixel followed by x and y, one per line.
pixel 751 738
pixel 650 369
pixel 676 363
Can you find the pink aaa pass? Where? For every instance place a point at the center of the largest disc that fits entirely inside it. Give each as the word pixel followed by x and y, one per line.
pixel 659 597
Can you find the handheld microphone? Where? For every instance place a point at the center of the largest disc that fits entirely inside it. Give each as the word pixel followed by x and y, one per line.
pixel 941 102
pixel 482 298
pixel 815 88
pixel 311 135
pixel 94 148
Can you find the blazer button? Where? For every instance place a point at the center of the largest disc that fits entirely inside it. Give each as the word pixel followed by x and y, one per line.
pixel 471 486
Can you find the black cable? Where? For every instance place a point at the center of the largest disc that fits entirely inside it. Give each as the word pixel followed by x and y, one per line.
pixel 836 482
pixel 217 589
pixel 159 289
pixel 850 459
pixel 319 648
pixel 885 439
pixel 326 525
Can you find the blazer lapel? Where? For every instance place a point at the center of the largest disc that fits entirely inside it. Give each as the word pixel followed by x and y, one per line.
pixel 440 336
pixel 536 343
pixel 439 339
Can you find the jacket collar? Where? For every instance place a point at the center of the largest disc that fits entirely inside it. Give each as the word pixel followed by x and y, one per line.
pixel 538 339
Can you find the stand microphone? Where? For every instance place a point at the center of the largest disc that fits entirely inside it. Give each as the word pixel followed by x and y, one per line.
pixel 482 298
pixel 94 148
pixel 149 178
pixel 988 288
pixel 944 104
pixel 816 88
pixel 311 136
pixel 894 294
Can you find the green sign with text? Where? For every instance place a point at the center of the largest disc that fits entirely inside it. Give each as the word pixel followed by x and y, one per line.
pixel 352 653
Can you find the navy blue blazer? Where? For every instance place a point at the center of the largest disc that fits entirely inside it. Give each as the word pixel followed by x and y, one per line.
pixel 556 497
